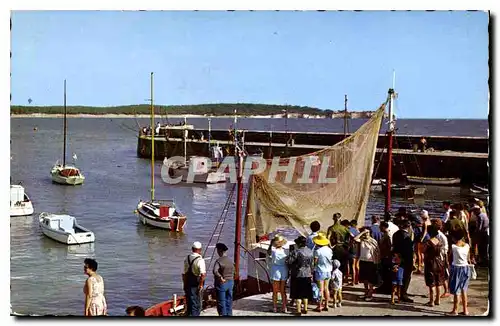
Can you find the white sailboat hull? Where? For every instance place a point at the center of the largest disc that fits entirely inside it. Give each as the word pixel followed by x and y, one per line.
pixel 79 235
pixel 66 180
pixel 146 217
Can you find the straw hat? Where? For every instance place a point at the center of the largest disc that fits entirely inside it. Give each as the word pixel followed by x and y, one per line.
pixel 279 240
pixel 321 239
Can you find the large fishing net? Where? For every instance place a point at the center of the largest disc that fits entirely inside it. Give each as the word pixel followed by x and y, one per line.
pixel 339 181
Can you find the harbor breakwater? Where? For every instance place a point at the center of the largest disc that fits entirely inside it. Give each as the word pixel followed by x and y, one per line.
pixel 448 157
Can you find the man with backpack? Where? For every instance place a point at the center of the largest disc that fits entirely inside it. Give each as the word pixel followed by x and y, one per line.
pixel 193 279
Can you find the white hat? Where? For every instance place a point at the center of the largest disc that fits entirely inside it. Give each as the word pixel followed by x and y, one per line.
pixel 196 245
pixel 424 213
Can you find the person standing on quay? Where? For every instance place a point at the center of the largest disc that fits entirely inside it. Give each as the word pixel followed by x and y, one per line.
pixel 402 244
pixel 193 279
pixel 95 302
pixel 460 272
pixel 322 269
pixel 315 226
pixel 224 281
pixel 279 270
pixel 300 262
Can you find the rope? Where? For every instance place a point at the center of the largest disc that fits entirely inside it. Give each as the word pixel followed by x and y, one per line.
pixel 220 224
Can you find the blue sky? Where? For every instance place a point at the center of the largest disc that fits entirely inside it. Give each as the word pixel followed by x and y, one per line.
pixel 299 58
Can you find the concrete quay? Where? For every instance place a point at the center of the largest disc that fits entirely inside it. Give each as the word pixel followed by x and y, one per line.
pixel 478 299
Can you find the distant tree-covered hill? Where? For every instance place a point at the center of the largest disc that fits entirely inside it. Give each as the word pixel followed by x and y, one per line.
pixel 200 109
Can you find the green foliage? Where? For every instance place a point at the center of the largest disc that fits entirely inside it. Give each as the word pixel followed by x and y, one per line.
pixel 221 109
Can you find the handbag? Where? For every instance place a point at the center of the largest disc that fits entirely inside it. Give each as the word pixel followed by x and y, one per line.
pixel 473 273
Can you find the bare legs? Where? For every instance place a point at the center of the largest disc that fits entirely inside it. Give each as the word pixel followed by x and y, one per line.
pixel 282 285
pixel 276 289
pixel 355 271
pixel 324 295
pixel 279 287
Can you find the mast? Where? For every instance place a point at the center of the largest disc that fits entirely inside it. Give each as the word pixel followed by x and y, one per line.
pixel 185 140
pixel 390 132
pixel 239 203
pixel 152 143
pixel 345 116
pixel 65 126
pixel 286 131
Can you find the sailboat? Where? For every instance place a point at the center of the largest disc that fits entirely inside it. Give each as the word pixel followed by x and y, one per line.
pixel 162 214
pixel 64 173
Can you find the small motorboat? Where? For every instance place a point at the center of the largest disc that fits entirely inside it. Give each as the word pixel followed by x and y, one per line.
pixel 66 175
pixel 198 167
pixel 64 229
pixel 407 191
pixel 433 181
pixel 161 214
pixel 20 203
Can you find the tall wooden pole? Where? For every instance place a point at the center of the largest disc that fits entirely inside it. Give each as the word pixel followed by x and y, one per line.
pixel 239 203
pixel 152 143
pixel 65 126
pixel 345 117
pixel 390 133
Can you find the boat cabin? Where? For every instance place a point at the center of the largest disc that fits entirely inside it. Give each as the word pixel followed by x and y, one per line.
pixel 162 209
pixel 199 164
pixel 69 172
pixel 64 223
pixel 17 194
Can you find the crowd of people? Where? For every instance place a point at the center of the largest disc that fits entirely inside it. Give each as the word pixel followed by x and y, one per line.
pixel 382 256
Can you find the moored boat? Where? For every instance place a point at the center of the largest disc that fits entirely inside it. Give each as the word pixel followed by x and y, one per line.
pixel 433 181
pixel 66 174
pixel 63 173
pixel 199 169
pixel 65 229
pixel 161 214
pixel 20 203
pixel 407 191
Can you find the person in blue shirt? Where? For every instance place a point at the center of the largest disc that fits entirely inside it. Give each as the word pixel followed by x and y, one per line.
pixel 315 226
pixel 376 234
pixel 353 252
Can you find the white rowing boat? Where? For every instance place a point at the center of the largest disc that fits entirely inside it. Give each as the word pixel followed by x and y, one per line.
pixel 64 229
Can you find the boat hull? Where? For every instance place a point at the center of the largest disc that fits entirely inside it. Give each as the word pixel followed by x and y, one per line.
pixel 211 177
pixel 434 181
pixel 66 237
pixel 69 180
pixel 404 190
pixel 176 223
pixel 24 209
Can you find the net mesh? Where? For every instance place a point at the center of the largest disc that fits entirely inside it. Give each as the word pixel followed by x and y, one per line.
pixel 282 199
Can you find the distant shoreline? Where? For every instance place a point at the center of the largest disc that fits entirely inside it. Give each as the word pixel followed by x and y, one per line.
pixel 142 116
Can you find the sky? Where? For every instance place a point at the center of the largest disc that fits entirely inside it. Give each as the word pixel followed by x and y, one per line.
pixel 307 58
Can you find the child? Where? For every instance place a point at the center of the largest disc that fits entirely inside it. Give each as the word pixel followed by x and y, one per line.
pixel 460 273
pixel 336 284
pixel 397 277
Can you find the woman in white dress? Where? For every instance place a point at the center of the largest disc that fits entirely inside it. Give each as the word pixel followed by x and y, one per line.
pixel 95 302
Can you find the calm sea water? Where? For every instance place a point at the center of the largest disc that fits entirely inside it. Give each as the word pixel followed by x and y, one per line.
pixel 140 265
